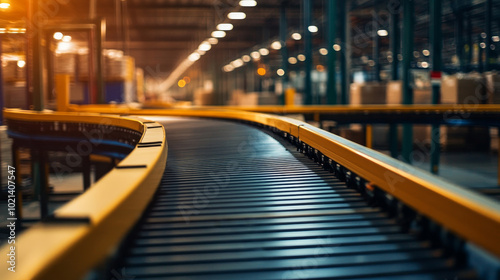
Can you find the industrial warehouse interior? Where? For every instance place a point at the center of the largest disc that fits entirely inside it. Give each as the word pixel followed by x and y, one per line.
pixel 242 139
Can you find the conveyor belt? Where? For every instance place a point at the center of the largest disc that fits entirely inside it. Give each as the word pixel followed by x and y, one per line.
pixel 235 203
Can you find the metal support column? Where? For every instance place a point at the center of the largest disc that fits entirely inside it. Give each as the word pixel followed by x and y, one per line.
pixel 436 59
pixel 459 40
pixel 38 94
pixel 86 170
pixel 376 45
pixel 469 42
pixel 488 23
pixel 284 49
pixel 408 23
pixel 395 43
pixel 307 6
pixel 331 87
pixel 100 37
pixel 344 21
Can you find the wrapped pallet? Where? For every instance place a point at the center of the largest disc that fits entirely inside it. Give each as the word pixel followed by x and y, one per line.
pixel 368 93
pixel 203 97
pixel 240 98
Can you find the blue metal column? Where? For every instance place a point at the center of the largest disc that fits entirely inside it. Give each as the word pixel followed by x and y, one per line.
pixel 436 56
pixel 307 6
pixel 489 8
pixel 284 49
pixel 331 87
pixel 395 43
pixel 343 20
pixel 459 36
pixel 408 22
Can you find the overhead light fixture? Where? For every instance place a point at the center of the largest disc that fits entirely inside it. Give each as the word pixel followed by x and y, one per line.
pixel 201 52
pixel 4 4
pixel 296 36
pixel 382 33
pixel 21 63
pixel 280 72
pixel 213 41
pixel 237 63
pixel 228 68
pixel 425 64
pixel 337 47
pixel 426 52
pixel 66 39
pixel 323 51
pixel 301 57
pixel 194 56
pixel 224 26
pixel 264 51
pixel 255 55
pixel 236 15
pixel 495 39
pixel 276 45
pixel 312 28
pixel 248 3
pixel 261 71
pixel 218 34
pixel 292 60
pixel 58 35
pixel 204 46
pixel 181 83
pixel 246 58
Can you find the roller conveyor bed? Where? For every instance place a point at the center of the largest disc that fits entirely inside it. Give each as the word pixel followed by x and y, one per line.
pixel 237 203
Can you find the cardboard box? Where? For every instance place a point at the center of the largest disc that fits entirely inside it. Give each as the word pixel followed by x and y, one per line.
pixel 395 94
pixel 368 93
pixel 463 89
pixel 492 87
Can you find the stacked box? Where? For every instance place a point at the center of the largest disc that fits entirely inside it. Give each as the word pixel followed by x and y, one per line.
pixel 492 87
pixel 395 94
pixel 463 89
pixel 368 93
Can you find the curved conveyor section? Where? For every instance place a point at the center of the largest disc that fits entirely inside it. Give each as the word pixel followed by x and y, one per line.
pixel 236 203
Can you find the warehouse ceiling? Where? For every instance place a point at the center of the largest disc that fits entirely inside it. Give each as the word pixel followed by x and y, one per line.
pixel 160 34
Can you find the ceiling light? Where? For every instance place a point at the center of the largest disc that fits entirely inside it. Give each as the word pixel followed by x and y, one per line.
pixel 224 26
pixel 301 57
pixel 204 46
pixel 336 47
pixel 312 28
pixel 66 38
pixel 237 63
pixel 58 35
pixel 264 51
pixel 382 33
pixel 292 60
pixel 246 58
pixel 280 72
pixel 276 45
pixel 296 36
pixel 495 39
pixel 181 83
pixel 248 3
pixel 236 15
pixel 261 71
pixel 194 56
pixel 255 55
pixel 4 5
pixel 426 52
pixel 228 68
pixel 482 45
pixel 213 41
pixel 218 34
pixel 21 63
pixel 323 51
pixel 425 64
